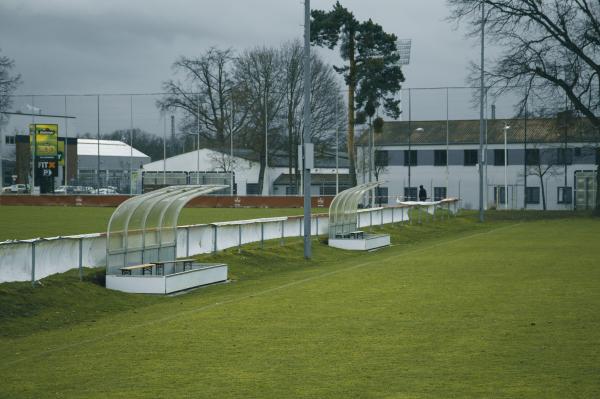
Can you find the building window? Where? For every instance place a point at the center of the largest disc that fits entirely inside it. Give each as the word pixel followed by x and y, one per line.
pixel 470 157
pixel 499 157
pixel 326 190
pixel 9 139
pixel 381 158
pixel 532 156
pixel 381 195
pixel 440 158
pixel 252 189
pixel 532 195
pixel 291 190
pixel 564 195
pixel 577 151
pixel 412 156
pixel 439 193
pixel 564 156
pixel 499 195
pixel 410 193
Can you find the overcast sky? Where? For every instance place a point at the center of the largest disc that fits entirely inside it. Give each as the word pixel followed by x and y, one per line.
pixel 116 46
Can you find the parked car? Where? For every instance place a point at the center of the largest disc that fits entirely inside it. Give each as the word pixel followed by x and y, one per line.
pixel 64 190
pixel 19 188
pixel 107 191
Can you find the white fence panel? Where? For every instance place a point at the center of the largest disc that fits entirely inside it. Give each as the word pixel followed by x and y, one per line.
pixel 60 254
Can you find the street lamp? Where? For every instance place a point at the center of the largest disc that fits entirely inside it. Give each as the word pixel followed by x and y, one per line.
pixel 506 127
pixel 420 130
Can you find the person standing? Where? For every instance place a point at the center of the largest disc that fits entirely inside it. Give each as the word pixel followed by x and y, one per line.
pixel 422 193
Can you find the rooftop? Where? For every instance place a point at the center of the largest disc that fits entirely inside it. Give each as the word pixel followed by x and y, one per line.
pixel 108 148
pixel 537 130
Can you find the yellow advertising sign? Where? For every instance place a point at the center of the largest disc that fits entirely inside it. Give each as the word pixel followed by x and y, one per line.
pixel 46 139
pixel 61 152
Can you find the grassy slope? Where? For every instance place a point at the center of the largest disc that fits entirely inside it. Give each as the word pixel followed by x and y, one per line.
pixel 452 310
pixel 22 222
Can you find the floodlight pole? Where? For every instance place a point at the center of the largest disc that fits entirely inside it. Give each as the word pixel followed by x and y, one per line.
pixel 307 122
pixel 164 150
pixel 98 146
pixel 337 147
pixel 131 145
pixel 198 144
pixel 66 149
pixel 506 127
pixel 481 127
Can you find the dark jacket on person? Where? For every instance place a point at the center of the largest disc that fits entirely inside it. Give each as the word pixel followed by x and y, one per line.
pixel 422 194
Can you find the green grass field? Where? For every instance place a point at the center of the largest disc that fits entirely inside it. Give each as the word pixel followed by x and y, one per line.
pixel 507 309
pixel 22 222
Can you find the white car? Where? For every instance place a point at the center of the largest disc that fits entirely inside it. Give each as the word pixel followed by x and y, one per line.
pixel 107 191
pixel 16 189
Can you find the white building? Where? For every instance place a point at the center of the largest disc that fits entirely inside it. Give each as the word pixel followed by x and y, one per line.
pixel 246 169
pixel 115 158
pixel 445 161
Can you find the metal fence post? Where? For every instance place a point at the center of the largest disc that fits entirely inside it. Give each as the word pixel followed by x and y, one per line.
pixel 262 236
pixel 187 242
pixel 239 238
pixel 33 263
pixel 214 238
pixel 317 232
pixel 81 259
pixel 282 233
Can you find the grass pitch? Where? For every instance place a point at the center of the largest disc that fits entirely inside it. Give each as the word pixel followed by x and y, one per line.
pixel 22 222
pixel 506 309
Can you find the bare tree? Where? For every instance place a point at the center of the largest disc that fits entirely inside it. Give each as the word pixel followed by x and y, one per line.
pixel 327 107
pixel 8 84
pixel 260 77
pixel 551 47
pixel 542 162
pixel 208 95
pixel 222 161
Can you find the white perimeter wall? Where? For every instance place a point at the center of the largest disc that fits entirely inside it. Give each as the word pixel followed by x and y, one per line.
pixel 59 254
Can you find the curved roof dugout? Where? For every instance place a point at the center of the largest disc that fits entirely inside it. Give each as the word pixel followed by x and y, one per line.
pixel 343 211
pixel 144 228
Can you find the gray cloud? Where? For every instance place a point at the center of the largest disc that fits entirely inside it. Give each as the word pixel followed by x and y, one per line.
pixel 110 46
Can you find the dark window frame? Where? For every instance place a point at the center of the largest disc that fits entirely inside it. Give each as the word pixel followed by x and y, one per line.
pixel 562 199
pixel 414 159
pixel 437 196
pixel 408 193
pixel 440 158
pixel 499 195
pixel 532 195
pixel 499 157
pixel 382 158
pixel 560 156
pixel 532 156
pixel 468 157
pixel 255 189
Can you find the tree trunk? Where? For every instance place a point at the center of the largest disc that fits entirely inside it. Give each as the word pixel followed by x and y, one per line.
pixel 290 120
pixel 261 176
pixel 543 192
pixel 597 209
pixel 351 88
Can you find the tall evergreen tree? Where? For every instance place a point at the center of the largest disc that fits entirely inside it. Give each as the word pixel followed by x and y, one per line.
pixel 372 72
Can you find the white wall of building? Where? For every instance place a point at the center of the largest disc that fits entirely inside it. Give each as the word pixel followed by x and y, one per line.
pixel 463 181
pixel 246 171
